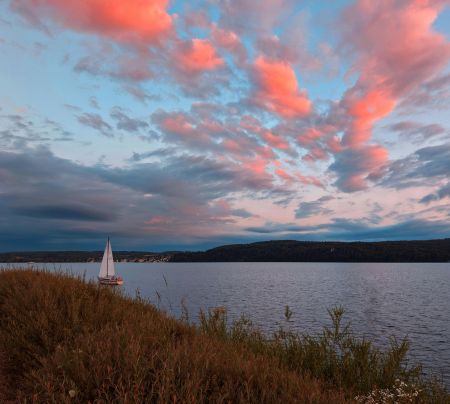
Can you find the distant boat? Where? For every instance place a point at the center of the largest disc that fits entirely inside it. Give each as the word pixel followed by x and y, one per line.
pixel 107 275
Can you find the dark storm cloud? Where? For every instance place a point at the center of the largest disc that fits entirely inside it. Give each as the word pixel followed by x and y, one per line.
pixel 50 202
pixel 67 212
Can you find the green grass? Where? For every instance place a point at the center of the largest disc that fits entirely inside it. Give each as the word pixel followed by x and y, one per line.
pixel 65 340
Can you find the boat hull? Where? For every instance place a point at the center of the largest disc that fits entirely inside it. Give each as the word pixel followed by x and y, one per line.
pixel 110 281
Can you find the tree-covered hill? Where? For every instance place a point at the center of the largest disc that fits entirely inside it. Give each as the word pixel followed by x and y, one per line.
pixel 306 251
pixel 265 251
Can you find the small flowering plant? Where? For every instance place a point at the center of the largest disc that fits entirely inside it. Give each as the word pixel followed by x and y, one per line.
pixel 399 393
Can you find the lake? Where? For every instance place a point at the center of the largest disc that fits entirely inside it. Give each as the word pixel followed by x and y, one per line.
pixel 381 300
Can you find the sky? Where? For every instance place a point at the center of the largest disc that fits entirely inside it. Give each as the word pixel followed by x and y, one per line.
pixel 190 124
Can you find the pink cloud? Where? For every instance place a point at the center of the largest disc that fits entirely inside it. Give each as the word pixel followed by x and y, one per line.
pixel 242 147
pixel 320 141
pixel 265 152
pixel 227 39
pixel 395 42
pixel 197 55
pixel 230 41
pixel 309 136
pixel 134 68
pixel 277 89
pixel 250 123
pixel 232 146
pixel 200 130
pixel 334 144
pixel 177 123
pixel 158 220
pixel 291 47
pixel 126 21
pixel 316 153
pixel 309 180
pixel 396 50
pixel 212 126
pixel 364 111
pixel 178 127
pixel 284 175
pixel 272 47
pixel 256 166
pixel 220 37
pixel 275 141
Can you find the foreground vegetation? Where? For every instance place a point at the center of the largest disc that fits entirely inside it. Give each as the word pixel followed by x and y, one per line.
pixel 65 340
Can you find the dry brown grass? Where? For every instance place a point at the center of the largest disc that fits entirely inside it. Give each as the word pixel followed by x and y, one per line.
pixel 65 340
pixel 62 337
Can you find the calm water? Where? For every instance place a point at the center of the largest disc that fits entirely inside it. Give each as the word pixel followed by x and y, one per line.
pixel 380 299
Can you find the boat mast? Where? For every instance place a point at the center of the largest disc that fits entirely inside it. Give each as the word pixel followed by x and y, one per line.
pixel 107 256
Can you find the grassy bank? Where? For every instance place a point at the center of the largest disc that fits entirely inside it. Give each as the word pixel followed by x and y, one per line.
pixel 64 340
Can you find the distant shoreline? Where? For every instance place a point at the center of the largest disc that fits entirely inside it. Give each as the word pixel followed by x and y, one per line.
pixel 265 251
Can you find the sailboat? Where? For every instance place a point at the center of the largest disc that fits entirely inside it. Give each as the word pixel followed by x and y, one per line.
pixel 107 274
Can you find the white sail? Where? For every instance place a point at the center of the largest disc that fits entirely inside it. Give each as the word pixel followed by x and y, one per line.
pixel 107 267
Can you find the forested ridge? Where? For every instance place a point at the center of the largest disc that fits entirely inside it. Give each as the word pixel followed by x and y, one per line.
pixel 265 251
pixel 308 251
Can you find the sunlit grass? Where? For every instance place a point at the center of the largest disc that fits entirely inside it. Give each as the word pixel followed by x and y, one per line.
pixel 66 340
